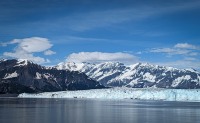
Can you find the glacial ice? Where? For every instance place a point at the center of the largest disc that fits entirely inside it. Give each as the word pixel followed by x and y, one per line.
pixel 191 95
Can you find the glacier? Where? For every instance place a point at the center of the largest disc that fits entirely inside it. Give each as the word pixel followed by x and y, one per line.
pixel 189 95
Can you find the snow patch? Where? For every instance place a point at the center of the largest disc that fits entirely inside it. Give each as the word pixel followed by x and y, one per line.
pixel 46 75
pixel 133 82
pixel 21 62
pixel 147 76
pixel 105 75
pixel 127 75
pixel 12 75
pixel 38 75
pixel 24 61
pixel 133 66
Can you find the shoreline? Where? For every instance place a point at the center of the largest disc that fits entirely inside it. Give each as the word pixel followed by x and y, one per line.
pixel 8 95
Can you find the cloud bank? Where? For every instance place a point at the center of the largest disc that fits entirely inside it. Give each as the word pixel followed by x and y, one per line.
pixel 98 57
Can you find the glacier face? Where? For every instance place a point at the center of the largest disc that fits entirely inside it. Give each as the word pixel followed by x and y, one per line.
pixel 191 95
pixel 139 75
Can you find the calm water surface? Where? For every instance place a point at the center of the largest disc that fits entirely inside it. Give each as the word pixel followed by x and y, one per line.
pixel 16 110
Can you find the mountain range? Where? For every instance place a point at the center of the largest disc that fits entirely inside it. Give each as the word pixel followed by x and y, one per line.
pixel 20 75
pixel 139 75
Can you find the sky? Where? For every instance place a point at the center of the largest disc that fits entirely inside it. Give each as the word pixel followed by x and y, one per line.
pixel 129 31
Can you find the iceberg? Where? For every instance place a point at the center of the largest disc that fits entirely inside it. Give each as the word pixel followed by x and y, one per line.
pixel 191 95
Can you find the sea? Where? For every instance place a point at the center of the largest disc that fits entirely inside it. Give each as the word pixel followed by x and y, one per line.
pixel 49 110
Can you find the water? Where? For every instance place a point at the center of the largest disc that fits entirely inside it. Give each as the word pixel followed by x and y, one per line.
pixel 16 110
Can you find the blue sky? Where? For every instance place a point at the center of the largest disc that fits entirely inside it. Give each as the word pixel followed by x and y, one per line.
pixel 51 31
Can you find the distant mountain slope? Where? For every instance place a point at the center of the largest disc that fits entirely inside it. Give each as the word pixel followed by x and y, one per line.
pixel 17 76
pixel 139 75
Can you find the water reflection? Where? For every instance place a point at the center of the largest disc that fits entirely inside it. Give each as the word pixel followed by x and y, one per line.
pixel 96 111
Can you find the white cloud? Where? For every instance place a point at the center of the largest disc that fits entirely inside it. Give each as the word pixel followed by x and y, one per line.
pixel 178 49
pixel 186 46
pixel 49 52
pixel 11 42
pixel 34 44
pixel 22 54
pixel 188 52
pixel 26 48
pixel 162 50
pixel 98 57
pixel 170 51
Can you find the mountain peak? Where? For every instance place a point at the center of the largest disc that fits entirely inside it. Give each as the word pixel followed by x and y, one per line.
pixel 72 66
pixel 22 62
pixel 2 60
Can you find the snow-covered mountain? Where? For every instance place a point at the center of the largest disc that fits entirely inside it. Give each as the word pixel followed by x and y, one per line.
pixel 139 75
pixel 17 76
